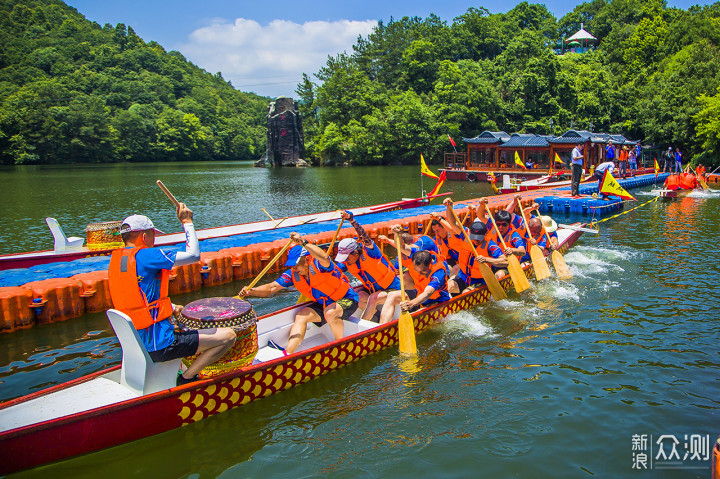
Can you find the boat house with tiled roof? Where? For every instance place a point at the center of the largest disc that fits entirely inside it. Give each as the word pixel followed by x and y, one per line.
pixel 495 150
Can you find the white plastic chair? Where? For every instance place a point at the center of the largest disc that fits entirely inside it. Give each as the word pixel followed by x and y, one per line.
pixel 62 242
pixel 139 373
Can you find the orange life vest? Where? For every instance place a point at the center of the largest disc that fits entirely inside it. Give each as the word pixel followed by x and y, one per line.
pixel 422 281
pixel 126 294
pixel 333 284
pixel 447 244
pixel 382 272
pixel 672 182
pixel 466 255
pixel 688 181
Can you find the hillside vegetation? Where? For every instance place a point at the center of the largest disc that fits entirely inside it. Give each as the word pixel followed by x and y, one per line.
pixel 653 77
pixel 73 91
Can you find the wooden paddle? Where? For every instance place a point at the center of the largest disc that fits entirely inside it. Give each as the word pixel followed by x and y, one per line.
pixel 167 192
pixel 542 270
pixel 267 267
pixel 303 298
pixel 561 267
pixel 516 272
pixel 700 180
pixel 406 328
pixel 491 281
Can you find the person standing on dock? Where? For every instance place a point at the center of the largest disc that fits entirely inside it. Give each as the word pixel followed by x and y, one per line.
pixel 632 159
pixel 138 279
pixel 315 275
pixel 610 151
pixel 669 160
pixel 678 161
pixel 577 160
pixel 364 260
pixel 623 161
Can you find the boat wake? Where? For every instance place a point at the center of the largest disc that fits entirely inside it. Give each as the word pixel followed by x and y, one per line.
pixel 704 194
pixel 468 324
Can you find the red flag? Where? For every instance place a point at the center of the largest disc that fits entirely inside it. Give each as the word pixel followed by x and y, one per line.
pixel 452 142
pixel 440 182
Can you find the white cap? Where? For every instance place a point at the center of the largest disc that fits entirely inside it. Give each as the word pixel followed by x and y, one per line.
pixel 345 247
pixel 137 223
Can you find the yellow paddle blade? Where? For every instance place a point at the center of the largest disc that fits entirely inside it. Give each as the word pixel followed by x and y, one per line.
pixel 492 282
pixel 406 334
pixel 302 299
pixel 517 274
pixel 561 268
pixel 542 270
pixel 703 183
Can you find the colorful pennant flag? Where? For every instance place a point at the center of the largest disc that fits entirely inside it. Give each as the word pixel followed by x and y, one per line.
pixel 657 168
pixel 610 186
pixel 452 142
pixel 558 160
pixel 425 170
pixel 518 161
pixel 440 182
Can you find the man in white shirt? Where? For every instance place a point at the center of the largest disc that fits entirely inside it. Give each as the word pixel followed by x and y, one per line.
pixel 577 159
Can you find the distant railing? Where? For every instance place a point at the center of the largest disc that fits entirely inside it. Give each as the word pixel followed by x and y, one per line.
pixel 455 161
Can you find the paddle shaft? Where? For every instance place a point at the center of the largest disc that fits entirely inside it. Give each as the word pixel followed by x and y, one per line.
pixel 337 232
pixel 167 193
pixel 269 265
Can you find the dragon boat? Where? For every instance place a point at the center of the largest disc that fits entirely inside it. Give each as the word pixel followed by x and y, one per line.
pixel 138 398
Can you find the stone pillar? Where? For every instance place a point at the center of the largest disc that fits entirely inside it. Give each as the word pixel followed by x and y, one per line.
pixel 285 139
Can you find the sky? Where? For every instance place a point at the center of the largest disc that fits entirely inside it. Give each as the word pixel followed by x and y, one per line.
pixel 265 48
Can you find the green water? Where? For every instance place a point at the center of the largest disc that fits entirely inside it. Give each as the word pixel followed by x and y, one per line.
pixel 553 383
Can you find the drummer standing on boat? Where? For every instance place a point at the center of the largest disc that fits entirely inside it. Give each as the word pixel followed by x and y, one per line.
pixel 138 280
pixel 315 275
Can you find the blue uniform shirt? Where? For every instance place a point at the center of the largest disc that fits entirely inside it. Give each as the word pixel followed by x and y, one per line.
pixel 285 280
pixel 150 263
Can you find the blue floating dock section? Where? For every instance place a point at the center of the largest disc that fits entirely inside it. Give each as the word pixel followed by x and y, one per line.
pixel 591 206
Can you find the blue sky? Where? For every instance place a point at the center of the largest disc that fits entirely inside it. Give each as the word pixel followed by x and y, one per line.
pixel 265 47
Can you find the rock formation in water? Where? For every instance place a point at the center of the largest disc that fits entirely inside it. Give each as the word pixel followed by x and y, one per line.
pixel 285 139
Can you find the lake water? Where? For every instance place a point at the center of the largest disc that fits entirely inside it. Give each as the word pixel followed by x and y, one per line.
pixel 554 383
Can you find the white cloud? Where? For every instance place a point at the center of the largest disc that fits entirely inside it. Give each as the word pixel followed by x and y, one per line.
pixel 270 59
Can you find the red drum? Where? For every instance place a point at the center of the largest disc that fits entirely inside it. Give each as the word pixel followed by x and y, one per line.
pixel 224 313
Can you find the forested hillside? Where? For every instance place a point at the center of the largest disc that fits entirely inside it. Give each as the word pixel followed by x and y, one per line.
pixel 653 77
pixel 73 91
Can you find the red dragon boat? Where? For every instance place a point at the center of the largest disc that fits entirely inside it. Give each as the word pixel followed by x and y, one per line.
pixel 127 402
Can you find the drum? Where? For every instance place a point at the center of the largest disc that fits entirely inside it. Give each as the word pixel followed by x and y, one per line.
pixel 224 313
pixel 104 235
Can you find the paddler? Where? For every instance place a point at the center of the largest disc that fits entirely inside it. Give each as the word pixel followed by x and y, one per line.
pixel 426 272
pixel 315 275
pixel 364 260
pixel 487 252
pixel 138 279
pixel 514 241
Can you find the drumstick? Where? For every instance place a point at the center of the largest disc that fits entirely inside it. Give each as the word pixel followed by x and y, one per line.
pixel 167 192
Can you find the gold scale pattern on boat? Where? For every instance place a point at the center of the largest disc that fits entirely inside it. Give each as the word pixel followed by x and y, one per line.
pixel 219 397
